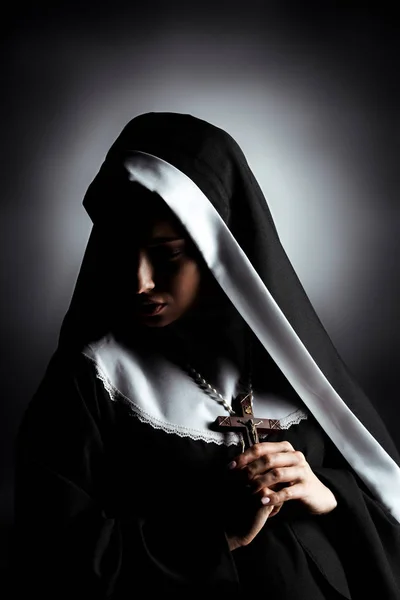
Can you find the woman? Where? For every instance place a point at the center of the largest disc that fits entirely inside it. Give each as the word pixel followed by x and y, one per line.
pixel 196 431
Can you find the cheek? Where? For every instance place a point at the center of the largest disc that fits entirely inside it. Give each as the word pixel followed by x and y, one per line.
pixel 186 285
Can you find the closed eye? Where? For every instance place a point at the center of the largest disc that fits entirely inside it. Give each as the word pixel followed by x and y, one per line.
pixel 165 252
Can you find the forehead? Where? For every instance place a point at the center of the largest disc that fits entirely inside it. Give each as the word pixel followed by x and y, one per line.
pixel 158 221
pixel 163 229
pixel 142 217
pixel 148 220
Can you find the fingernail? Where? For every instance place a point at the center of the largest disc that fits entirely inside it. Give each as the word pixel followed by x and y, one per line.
pixel 232 464
pixel 265 500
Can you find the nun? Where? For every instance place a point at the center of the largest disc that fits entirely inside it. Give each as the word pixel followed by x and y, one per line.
pixel 196 431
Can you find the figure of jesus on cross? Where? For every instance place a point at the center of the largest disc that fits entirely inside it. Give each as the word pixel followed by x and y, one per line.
pixel 245 422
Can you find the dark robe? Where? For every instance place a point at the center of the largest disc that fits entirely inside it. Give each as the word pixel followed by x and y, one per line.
pixel 109 507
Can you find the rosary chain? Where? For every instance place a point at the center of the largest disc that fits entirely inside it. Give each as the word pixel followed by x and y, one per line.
pixel 204 383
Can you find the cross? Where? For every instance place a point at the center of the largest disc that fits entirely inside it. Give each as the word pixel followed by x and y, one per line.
pixel 245 422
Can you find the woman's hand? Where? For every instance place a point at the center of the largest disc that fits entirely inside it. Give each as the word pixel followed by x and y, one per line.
pixel 245 515
pixel 247 525
pixel 277 473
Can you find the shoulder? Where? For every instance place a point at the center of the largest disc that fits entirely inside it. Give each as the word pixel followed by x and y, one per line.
pixel 66 369
pixel 76 365
pixel 66 417
pixel 75 388
pixel 68 392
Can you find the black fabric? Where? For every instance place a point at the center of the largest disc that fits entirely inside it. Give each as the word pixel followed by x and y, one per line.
pixel 215 162
pixel 95 520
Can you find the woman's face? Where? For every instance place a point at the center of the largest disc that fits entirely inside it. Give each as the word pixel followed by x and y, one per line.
pixel 163 275
pixel 168 274
pixel 161 278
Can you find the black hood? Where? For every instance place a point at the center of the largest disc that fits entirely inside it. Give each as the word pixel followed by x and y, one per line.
pixel 211 159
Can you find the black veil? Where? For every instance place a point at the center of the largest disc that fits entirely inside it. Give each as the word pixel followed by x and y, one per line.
pixel 212 159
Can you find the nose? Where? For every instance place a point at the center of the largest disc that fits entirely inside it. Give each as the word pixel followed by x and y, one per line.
pixel 145 274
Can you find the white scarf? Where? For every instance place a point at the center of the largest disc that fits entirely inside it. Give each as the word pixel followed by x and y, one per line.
pixel 234 272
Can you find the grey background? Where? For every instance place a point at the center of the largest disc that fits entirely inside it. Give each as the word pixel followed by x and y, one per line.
pixel 311 95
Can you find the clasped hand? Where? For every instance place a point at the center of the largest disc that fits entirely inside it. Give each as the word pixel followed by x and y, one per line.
pixel 275 473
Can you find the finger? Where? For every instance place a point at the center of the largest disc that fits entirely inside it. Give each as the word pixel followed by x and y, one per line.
pixel 268 462
pixel 297 491
pixel 276 477
pixel 275 509
pixel 259 450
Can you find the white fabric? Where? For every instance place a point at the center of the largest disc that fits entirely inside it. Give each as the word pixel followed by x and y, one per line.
pixel 234 272
pixel 163 395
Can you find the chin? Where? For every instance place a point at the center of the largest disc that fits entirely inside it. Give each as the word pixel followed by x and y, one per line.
pixel 156 321
pixel 153 325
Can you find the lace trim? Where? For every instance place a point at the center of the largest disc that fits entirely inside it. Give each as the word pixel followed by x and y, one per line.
pixel 293 418
pixel 115 394
pixel 112 391
pixel 227 439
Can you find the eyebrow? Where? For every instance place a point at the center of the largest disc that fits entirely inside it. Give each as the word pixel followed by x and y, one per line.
pixel 165 239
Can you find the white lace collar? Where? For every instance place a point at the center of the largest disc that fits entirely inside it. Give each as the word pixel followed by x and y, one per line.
pixel 162 394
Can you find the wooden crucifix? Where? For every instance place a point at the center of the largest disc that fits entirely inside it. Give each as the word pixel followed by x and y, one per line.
pixel 245 422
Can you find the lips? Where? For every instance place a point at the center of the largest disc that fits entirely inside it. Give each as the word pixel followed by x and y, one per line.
pixel 151 308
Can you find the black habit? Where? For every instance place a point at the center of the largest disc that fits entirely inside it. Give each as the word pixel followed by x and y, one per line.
pixel 121 495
